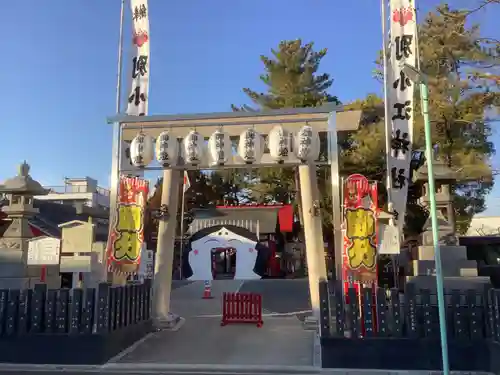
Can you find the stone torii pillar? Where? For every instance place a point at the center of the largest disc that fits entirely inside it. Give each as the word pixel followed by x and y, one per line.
pixel 313 233
pixel 162 282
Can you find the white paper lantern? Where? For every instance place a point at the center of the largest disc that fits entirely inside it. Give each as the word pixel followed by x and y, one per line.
pixel 141 150
pixel 167 149
pixel 219 147
pixel 279 144
pixel 250 146
pixel 307 144
pixel 193 148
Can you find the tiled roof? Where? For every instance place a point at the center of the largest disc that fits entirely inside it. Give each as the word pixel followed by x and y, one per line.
pixel 52 214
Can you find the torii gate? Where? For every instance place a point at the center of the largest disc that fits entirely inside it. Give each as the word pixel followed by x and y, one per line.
pixel 327 120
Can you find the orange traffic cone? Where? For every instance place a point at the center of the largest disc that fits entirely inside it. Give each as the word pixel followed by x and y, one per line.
pixel 207 290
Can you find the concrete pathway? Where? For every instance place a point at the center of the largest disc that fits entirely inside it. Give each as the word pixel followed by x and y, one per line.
pixel 187 301
pixel 201 340
pixel 281 341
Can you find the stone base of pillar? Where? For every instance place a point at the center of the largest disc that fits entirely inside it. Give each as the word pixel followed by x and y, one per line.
pixel 170 323
pixel 477 283
pixel 310 323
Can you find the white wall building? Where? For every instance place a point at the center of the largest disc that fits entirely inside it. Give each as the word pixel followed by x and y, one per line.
pixel 484 226
pixel 78 190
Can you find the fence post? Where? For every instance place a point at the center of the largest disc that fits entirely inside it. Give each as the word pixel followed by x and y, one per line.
pixel 458 316
pixel 89 311
pixel 383 328
pixel 324 309
pixel 12 309
pixel 354 312
pixel 22 313
pixel 76 311
pixel 147 299
pixel 103 308
pixel 50 311
pixel 367 315
pixel 397 319
pixel 411 310
pixel 37 307
pixel 429 328
pixel 496 313
pixel 475 317
pixel 4 296
pixel 488 309
pixel 133 304
pixel 62 311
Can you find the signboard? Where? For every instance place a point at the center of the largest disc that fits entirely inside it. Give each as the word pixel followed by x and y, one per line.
pixel 146 267
pixel 77 263
pixel 44 251
pixel 388 242
pixel 77 237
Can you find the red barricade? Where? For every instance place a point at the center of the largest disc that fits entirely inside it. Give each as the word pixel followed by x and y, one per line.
pixel 242 308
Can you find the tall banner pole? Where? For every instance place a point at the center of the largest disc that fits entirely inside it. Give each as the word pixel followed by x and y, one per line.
pixel 387 104
pixel 116 148
pixel 120 59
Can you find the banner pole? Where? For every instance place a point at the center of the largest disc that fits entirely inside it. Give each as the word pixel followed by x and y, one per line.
pixel 388 125
pixel 120 54
pixel 117 136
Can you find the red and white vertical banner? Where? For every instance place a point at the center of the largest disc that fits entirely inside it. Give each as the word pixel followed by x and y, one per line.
pixel 360 232
pixel 126 232
pixel 139 64
pixel 399 94
pixel 137 75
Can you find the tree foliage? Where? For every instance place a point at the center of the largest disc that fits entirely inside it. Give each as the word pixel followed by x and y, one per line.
pixel 207 190
pixel 292 77
pixel 462 70
pixel 463 83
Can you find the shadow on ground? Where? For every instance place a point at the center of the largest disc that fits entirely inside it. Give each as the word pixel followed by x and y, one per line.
pixel 281 296
pixel 281 341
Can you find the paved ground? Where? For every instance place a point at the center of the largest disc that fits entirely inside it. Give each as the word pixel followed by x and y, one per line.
pixel 213 372
pixel 279 295
pixel 201 340
pixel 281 341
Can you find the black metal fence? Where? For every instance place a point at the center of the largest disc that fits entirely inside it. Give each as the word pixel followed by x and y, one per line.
pixel 72 326
pixel 384 329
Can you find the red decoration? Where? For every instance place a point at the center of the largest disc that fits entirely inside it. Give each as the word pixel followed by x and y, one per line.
pixel 195 252
pixel 140 38
pixel 403 16
pixel 242 308
pixel 285 213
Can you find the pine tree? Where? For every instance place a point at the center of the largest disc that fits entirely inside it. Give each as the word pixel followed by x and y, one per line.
pixel 292 78
pixel 293 81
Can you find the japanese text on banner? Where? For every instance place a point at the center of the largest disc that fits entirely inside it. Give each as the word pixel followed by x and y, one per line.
pixel 139 64
pixel 403 39
pixel 126 234
pixel 360 230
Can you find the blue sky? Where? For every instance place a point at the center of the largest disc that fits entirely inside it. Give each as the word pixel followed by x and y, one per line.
pixel 60 62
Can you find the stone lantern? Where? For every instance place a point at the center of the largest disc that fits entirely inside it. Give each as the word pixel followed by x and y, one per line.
pixel 16 233
pixel 458 272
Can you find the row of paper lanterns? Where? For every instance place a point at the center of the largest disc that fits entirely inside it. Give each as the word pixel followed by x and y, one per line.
pixel 250 147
